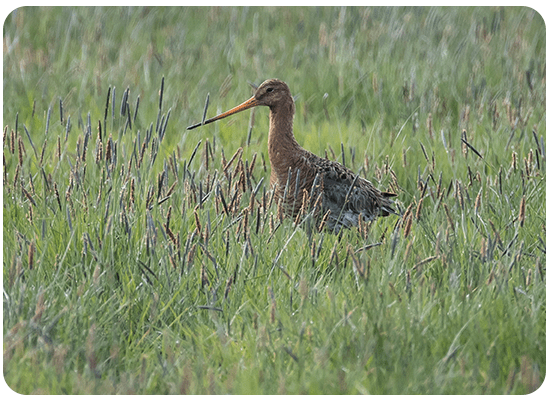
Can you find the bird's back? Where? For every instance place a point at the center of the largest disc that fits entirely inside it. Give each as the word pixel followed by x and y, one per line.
pixel 347 196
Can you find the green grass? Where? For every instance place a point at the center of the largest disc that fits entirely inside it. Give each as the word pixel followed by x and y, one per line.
pixel 103 296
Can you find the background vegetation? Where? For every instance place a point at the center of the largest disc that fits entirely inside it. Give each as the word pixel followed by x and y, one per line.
pixel 141 258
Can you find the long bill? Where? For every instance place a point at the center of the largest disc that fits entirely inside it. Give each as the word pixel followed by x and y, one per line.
pixel 252 102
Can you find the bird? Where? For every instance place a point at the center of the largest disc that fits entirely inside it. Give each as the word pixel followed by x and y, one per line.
pixel 300 178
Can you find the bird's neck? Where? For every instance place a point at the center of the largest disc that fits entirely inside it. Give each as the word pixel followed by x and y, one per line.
pixel 282 146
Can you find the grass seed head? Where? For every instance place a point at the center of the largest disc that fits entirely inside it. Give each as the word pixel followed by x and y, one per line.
pixel 449 217
pixel 521 216
pixel 419 209
pixel 408 225
pixel 464 145
pixel 16 176
pixel 30 214
pixel 20 148
pixel 109 149
pixel 528 163
pixel 5 136
pixel 324 220
pixel 228 285
pixel 483 249
pixel 31 255
pixel 459 195
pixel 477 203
pixel 12 142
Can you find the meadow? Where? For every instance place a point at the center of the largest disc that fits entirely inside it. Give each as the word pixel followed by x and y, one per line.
pixel 142 258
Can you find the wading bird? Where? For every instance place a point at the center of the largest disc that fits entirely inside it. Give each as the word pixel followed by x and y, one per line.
pixel 302 179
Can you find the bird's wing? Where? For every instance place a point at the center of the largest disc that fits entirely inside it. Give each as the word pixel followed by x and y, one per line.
pixel 348 192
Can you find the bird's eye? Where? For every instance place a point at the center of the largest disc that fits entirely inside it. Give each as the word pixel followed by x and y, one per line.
pixel 269 90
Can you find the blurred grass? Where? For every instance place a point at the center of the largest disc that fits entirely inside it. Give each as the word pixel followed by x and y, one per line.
pixel 100 298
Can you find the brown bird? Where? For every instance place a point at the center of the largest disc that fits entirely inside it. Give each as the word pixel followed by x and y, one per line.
pixel 301 178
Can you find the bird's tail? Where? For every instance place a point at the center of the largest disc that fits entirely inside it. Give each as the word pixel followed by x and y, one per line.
pixel 386 208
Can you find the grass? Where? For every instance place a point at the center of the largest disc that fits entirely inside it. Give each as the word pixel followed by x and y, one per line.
pixel 137 260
